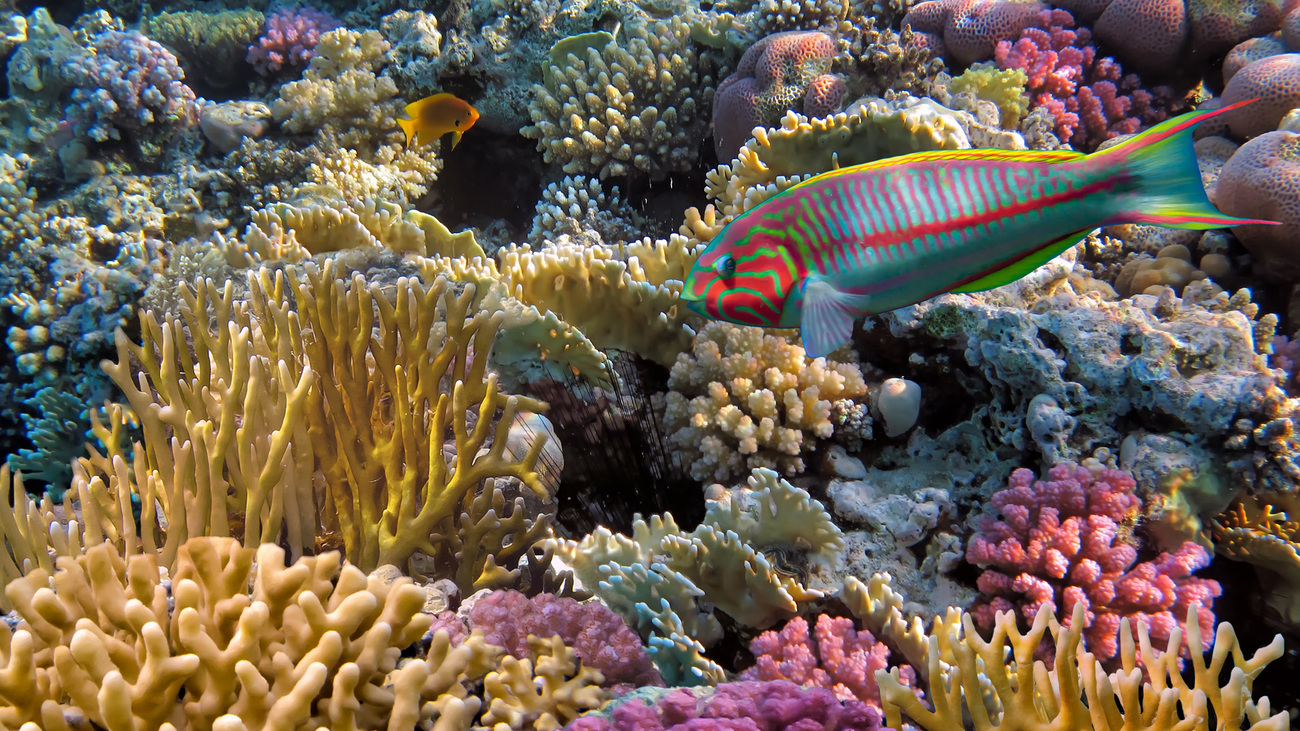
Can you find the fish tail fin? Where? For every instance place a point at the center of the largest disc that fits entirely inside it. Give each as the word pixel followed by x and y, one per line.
pixel 408 126
pixel 1162 165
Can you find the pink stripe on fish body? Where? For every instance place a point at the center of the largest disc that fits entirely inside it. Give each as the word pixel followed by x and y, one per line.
pixel 882 228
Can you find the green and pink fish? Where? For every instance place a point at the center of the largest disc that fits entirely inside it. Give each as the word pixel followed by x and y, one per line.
pixel 872 238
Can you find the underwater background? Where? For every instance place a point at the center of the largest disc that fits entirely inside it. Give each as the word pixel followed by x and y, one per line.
pixel 346 382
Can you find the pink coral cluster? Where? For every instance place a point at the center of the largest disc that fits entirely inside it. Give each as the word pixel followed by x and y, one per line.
pixel 778 705
pixel 1090 98
pixel 1059 543
pixel 783 71
pixel 838 657
pixel 290 39
pixel 599 637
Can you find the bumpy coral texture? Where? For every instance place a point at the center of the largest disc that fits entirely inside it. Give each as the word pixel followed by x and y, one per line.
pixel 636 107
pixel 780 72
pixel 1248 52
pixel 601 638
pixel 1148 35
pixel 779 705
pixel 744 399
pixel 1275 81
pixel 289 40
pixel 966 31
pixel 1218 25
pixel 1090 97
pixel 1262 181
pixel 1065 540
pixel 130 82
pixel 837 657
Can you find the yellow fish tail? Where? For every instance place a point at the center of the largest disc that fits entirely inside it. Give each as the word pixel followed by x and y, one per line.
pixel 408 126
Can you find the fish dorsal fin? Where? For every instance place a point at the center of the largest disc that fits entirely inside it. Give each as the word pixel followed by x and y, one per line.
pixel 1021 267
pixel 828 316
pixel 983 154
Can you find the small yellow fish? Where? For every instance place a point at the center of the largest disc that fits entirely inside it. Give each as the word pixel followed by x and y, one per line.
pixel 435 116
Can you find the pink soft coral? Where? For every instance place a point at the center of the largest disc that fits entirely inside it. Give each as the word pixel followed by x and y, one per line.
pixel 1091 98
pixel 290 39
pixel 1059 543
pixel 836 657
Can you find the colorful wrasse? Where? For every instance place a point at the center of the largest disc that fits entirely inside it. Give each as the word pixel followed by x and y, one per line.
pixel 875 237
pixel 435 116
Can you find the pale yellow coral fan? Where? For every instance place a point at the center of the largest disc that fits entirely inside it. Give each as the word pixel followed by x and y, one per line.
pixel 543 692
pixel 744 399
pixel 1266 534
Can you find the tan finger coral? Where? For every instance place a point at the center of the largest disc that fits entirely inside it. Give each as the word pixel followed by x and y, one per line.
pixel 248 644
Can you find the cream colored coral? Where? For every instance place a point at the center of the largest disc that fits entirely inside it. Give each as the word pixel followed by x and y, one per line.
pixel 639 108
pixel 341 90
pixel 247 645
pixel 744 399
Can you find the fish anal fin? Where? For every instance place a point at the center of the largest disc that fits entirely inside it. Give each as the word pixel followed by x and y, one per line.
pixel 828 316
pixel 1016 270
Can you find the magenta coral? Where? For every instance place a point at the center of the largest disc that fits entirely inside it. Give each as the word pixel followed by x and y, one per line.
pixel 838 657
pixel 600 638
pixel 783 71
pixel 290 39
pixel 1059 543
pixel 1091 98
pixel 745 706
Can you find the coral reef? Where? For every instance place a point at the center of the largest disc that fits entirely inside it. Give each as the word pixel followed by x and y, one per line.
pixel 1261 180
pixel 1061 544
pixel 289 39
pixel 966 31
pixel 743 399
pixel 129 83
pixel 782 72
pixel 1090 97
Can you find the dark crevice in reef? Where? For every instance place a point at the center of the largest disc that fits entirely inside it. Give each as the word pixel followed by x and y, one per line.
pixel 616 460
pixel 483 182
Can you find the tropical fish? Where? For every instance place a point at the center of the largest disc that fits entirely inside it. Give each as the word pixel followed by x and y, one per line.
pixel 435 116
pixel 875 237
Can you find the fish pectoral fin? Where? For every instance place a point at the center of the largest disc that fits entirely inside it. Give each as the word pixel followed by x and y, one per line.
pixel 828 316
pixel 455 139
pixel 1021 267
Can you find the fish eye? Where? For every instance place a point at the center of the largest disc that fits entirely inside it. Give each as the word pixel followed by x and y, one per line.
pixel 725 265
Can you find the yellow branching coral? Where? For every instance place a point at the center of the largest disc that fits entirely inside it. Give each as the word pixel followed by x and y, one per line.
pixel 382 411
pixel 1076 693
pixel 544 692
pixel 247 645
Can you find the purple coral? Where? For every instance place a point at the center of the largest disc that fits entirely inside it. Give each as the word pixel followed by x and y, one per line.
pixel 600 638
pixel 1060 542
pixel 780 72
pixel 290 39
pixel 837 657
pixel 746 706
pixel 966 31
pixel 128 83
pixel 1090 98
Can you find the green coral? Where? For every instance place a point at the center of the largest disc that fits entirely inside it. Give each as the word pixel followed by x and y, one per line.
pixel 211 46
